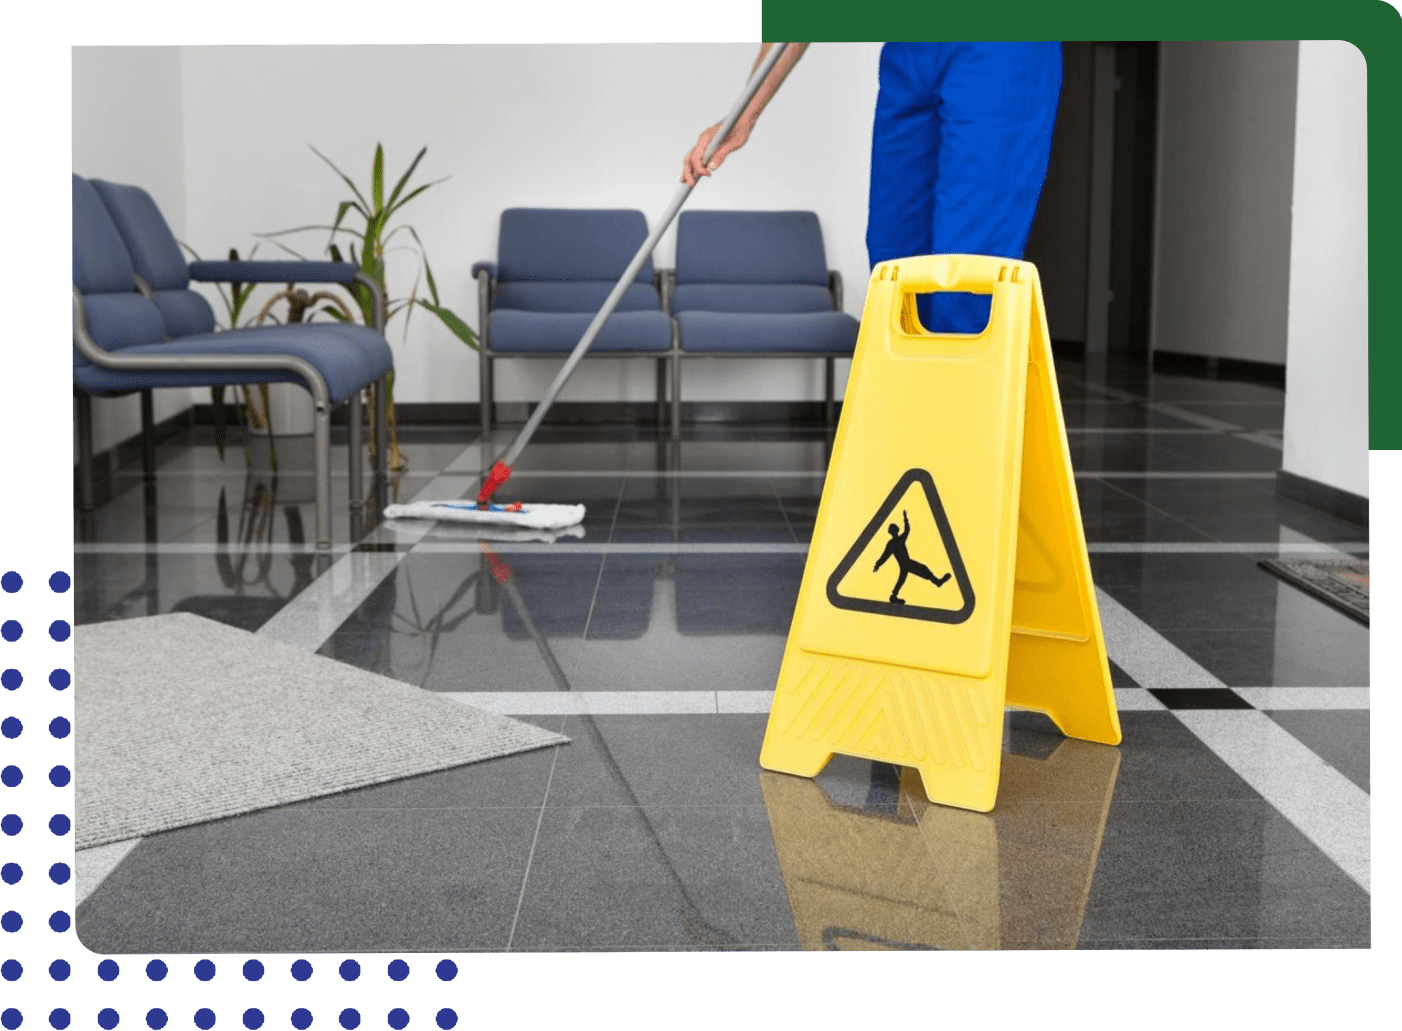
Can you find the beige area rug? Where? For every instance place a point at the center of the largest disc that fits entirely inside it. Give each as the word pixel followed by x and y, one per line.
pixel 181 720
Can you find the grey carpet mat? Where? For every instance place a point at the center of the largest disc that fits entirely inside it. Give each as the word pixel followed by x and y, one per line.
pixel 1342 582
pixel 181 720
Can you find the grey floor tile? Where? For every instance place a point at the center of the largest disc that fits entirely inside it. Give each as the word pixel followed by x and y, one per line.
pixel 1221 452
pixel 659 760
pixel 1339 737
pixel 1224 869
pixel 317 881
pixel 654 877
pixel 1110 514
pixel 1329 650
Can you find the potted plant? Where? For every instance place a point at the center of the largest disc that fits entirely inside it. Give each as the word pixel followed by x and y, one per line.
pixel 371 235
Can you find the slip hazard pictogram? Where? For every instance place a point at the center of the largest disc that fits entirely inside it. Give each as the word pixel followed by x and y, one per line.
pixel 906 560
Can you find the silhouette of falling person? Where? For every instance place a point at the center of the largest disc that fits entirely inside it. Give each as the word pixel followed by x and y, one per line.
pixel 895 548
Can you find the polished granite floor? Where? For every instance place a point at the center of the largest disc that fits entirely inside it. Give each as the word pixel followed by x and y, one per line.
pixel 1234 814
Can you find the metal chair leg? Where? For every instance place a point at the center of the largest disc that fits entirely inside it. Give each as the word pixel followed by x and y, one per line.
pixel 829 403
pixel 382 429
pixel 84 431
pixel 321 441
pixel 353 446
pixel 148 435
pixel 484 391
pixel 676 396
pixel 661 393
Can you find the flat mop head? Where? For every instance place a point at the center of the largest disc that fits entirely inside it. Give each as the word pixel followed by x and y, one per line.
pixel 535 517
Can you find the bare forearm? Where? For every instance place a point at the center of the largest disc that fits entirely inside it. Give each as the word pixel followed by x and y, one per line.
pixel 773 80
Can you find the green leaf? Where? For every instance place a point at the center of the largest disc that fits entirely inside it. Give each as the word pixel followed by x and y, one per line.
pixel 377 178
pixel 354 189
pixel 460 328
pixel 415 192
pixel 334 251
pixel 399 186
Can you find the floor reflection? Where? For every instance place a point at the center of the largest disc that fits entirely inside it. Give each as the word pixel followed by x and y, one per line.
pixel 892 870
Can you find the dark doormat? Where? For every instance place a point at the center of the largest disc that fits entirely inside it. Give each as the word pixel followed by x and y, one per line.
pixel 1342 582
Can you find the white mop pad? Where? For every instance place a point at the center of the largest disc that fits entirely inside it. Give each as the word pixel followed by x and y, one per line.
pixel 537 517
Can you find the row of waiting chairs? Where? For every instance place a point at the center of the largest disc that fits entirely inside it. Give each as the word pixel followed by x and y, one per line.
pixel 751 284
pixel 137 326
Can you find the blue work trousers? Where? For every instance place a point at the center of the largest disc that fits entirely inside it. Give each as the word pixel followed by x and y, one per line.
pixel 958 156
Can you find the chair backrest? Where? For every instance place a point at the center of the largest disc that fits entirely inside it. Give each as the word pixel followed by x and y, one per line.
pixel 156 257
pixel 751 261
pixel 117 315
pixel 568 259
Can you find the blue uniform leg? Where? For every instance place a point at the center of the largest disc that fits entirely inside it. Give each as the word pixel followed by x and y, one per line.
pixel 959 154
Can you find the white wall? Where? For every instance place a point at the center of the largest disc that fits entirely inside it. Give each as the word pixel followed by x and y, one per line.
pixel 127 127
pixel 600 125
pixel 1222 242
pixel 1326 400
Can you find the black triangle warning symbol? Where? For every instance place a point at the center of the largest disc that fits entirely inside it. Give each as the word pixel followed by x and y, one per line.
pixel 906 562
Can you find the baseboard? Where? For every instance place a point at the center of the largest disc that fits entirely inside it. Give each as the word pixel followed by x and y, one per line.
pixel 1207 366
pixel 1340 503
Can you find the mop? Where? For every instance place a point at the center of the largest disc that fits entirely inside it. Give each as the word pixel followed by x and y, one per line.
pixel 556 516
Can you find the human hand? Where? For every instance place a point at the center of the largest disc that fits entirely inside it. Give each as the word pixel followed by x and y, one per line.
pixel 694 164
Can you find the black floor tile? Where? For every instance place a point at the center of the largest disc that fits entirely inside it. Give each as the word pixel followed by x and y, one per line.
pixel 1200 698
pixel 1338 736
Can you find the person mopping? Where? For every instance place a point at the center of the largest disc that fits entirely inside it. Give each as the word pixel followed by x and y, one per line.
pixel 959 150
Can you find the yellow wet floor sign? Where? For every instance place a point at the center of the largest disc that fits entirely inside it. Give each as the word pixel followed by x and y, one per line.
pixel 947 576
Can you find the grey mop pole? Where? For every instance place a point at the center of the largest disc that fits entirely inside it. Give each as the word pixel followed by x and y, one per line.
pixel 502 469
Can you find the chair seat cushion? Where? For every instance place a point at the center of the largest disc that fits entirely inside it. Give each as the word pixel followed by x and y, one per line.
pixel 751 297
pixel 722 333
pixel 348 357
pixel 573 297
pixel 532 332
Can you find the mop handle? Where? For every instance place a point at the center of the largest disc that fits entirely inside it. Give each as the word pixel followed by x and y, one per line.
pixel 751 88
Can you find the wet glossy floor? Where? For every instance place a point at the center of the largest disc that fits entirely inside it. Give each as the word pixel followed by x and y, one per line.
pixel 1234 815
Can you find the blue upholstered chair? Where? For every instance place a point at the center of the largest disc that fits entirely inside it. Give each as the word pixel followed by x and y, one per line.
pixel 138 326
pixel 756 284
pixel 555 268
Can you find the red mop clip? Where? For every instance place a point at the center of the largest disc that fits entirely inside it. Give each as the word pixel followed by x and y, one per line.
pixel 500 474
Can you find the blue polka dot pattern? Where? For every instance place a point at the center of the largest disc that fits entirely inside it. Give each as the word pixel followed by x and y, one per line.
pixel 156 1018
pixel 253 1018
pixel 301 1019
pixel 11 921
pixel 11 969
pixel 10 873
pixel 11 678
pixel 301 970
pixel 59 630
pixel 204 969
pixel 60 921
pixel 59 727
pixel 349 1018
pixel 204 1019
pixel 350 970
pixel 59 582
pixel 59 776
pixel 11 631
pixel 398 970
pixel 446 970
pixel 60 1019
pixel 11 824
pixel 59 970
pixel 108 970
pixel 11 776
pixel 252 970
pixel 398 1019
pixel 11 581
pixel 59 873
pixel 59 679
pixel 11 727
pixel 156 970
pixel 11 1018
pixel 108 1018
pixel 446 1018
pixel 60 824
